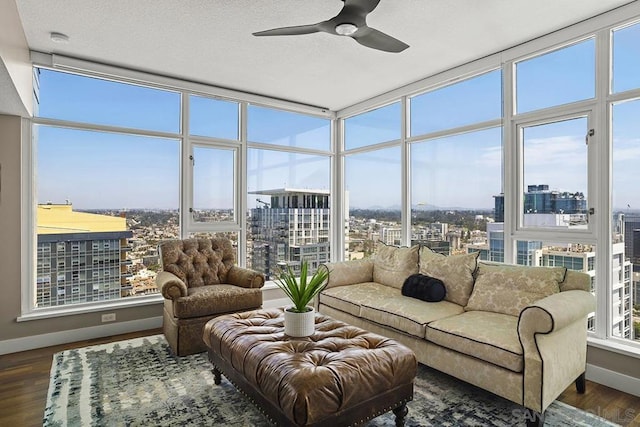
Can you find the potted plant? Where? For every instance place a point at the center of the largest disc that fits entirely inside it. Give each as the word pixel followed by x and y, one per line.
pixel 299 319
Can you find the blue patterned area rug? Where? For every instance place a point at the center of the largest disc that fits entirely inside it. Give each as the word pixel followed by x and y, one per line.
pixel 139 382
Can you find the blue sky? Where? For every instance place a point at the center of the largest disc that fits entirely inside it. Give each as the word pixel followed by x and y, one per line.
pixel 109 170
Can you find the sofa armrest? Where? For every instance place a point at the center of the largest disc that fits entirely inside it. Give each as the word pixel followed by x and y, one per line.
pixel 553 313
pixel 170 285
pixel 553 334
pixel 244 277
pixel 349 272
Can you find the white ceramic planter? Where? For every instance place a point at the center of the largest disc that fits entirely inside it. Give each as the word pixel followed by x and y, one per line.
pixel 299 324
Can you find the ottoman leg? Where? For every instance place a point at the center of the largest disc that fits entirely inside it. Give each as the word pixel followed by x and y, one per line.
pixel 217 379
pixel 401 412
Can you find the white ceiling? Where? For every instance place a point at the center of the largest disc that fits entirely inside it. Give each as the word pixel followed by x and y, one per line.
pixel 210 41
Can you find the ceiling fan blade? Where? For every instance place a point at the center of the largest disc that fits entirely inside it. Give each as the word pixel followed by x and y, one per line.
pixel 365 6
pixel 375 39
pixel 290 31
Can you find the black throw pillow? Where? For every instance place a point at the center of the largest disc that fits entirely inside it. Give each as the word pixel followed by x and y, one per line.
pixel 424 287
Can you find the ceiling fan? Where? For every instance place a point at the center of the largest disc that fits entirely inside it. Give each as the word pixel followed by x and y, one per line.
pixel 351 22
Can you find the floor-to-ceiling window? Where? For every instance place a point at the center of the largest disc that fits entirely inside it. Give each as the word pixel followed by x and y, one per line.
pixel 288 182
pixel 211 168
pixel 456 164
pixel 107 187
pixel 516 164
pixel 372 180
pixel 119 167
pixel 624 110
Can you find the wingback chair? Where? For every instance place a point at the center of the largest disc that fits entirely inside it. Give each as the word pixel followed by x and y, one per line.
pixel 199 281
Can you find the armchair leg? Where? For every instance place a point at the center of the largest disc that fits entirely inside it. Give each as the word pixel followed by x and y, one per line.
pixel 581 383
pixel 217 376
pixel 534 419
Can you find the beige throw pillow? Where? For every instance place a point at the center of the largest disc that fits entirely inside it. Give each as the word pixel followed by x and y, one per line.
pixel 455 271
pixel 508 289
pixel 392 265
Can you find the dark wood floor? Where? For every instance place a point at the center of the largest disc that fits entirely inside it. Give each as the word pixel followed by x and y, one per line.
pixel 24 380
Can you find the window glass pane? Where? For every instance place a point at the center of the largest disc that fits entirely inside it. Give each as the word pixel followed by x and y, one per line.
pixel 372 200
pixel 76 98
pixel 289 214
pixel 372 127
pixel 213 117
pixel 559 77
pixel 452 198
pixel 626 220
pixel 214 171
pixel 555 174
pixel 471 101
pixel 280 127
pixel 104 202
pixel 626 62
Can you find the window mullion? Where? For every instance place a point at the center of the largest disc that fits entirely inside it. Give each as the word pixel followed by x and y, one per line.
pixel 512 167
pixel 186 187
pixel 600 173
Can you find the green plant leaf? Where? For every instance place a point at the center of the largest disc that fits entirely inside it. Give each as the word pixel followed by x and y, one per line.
pixel 302 291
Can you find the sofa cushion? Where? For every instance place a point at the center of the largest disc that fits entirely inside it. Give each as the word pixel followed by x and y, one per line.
pixel 408 315
pixel 455 271
pixel 492 337
pixel 392 264
pixel 228 298
pixel 508 289
pixel 424 288
pixel 350 298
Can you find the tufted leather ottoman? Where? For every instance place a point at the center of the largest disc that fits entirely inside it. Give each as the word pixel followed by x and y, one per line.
pixel 342 375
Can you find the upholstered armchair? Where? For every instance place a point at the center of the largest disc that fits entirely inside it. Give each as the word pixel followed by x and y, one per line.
pixel 199 281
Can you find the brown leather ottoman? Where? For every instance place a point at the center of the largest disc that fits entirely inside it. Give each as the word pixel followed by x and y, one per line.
pixel 341 375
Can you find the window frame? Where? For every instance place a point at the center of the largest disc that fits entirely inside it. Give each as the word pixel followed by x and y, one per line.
pixel 189 223
pixel 517 217
pixel 186 141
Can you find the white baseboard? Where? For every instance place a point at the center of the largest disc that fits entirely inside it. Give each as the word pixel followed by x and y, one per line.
pixel 622 382
pixel 55 338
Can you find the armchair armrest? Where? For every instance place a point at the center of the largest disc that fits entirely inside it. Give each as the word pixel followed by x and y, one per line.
pixel 349 272
pixel 171 286
pixel 245 277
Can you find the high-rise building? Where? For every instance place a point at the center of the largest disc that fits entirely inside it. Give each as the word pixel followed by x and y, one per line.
pixel 539 199
pixel 631 231
pixel 294 225
pixel 81 257
pixel 391 236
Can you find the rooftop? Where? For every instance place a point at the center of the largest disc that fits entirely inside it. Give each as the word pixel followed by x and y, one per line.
pixel 61 219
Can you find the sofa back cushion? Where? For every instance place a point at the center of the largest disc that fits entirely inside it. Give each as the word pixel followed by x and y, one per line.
pixel 455 271
pixel 576 280
pixel 392 265
pixel 508 289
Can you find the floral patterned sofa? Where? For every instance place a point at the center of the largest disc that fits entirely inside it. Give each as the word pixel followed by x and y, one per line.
pixel 519 332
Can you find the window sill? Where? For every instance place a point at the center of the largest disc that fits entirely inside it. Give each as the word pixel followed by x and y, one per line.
pixel 91 308
pixel 47 313
pixel 270 284
pixel 615 346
